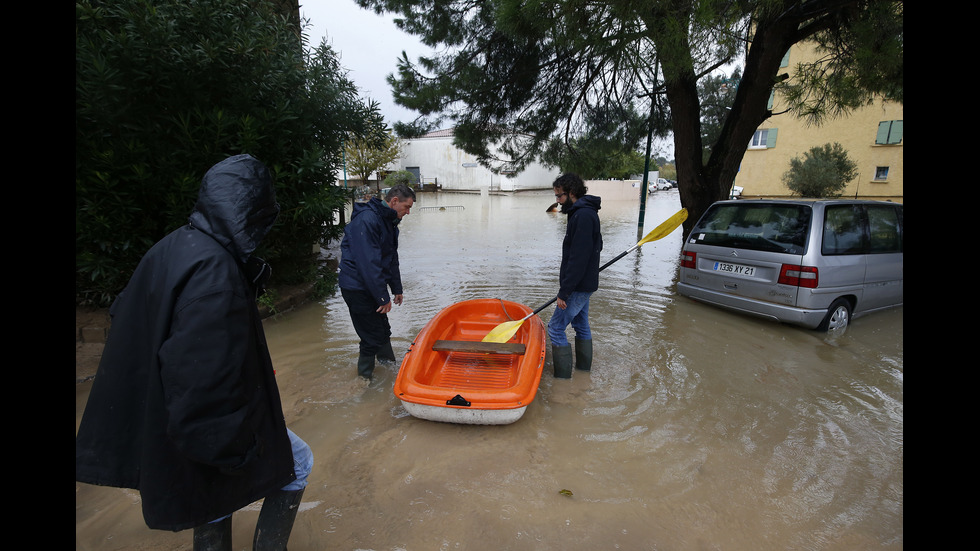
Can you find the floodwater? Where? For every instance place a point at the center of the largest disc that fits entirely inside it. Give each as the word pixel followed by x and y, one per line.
pixel 696 430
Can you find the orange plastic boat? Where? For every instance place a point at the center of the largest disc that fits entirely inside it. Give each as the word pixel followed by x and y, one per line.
pixel 450 375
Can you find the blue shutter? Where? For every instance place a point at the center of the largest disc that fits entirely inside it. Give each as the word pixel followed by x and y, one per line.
pixel 771 138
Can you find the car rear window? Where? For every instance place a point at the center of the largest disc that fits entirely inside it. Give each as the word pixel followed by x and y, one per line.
pixel 756 226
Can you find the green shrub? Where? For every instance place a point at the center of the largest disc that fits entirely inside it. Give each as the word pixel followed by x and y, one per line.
pixel 165 89
pixel 400 177
pixel 823 171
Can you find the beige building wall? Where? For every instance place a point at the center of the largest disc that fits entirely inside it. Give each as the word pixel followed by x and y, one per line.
pixel 761 172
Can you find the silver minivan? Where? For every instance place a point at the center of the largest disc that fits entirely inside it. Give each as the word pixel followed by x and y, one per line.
pixel 812 263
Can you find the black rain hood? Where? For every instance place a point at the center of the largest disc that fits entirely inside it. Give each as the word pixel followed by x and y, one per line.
pixel 236 205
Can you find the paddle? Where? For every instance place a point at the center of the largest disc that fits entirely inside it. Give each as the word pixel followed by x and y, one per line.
pixel 507 329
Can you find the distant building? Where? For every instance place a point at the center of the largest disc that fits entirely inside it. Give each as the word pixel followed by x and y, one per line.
pixel 872 137
pixel 437 163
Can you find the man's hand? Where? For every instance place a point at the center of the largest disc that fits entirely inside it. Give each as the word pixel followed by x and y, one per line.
pixel 386 307
pixel 562 304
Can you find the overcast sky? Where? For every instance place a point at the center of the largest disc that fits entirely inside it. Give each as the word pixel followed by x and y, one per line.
pixel 368 44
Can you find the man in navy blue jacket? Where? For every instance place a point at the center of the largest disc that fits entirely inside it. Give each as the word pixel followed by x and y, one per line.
pixel 578 277
pixel 369 267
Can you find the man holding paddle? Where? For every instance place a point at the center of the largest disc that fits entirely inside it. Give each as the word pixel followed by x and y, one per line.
pixel 578 276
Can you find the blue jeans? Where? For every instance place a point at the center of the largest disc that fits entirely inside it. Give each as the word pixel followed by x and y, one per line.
pixel 302 465
pixel 576 313
pixel 302 462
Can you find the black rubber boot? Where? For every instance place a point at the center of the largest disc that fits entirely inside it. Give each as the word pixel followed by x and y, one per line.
pixel 386 354
pixel 276 520
pixel 215 536
pixel 365 366
pixel 561 357
pixel 583 354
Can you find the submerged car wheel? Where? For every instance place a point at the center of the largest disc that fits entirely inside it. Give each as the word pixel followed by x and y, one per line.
pixel 838 316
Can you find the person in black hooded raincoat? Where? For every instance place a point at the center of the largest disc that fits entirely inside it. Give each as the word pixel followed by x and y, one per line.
pixel 184 406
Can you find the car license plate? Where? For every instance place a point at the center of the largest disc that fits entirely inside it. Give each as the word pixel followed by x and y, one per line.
pixel 737 269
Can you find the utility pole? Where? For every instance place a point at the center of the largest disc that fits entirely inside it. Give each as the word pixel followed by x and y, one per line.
pixel 643 187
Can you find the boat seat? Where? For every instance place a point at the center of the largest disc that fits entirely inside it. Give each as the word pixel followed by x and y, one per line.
pixel 483 347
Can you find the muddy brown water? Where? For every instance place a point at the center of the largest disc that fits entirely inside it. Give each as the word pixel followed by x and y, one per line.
pixel 696 430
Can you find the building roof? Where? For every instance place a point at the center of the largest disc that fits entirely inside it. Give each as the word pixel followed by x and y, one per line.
pixel 447 133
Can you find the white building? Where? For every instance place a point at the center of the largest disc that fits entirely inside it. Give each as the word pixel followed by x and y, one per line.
pixel 435 160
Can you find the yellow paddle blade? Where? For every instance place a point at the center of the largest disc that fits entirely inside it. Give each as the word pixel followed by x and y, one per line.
pixel 666 227
pixel 503 332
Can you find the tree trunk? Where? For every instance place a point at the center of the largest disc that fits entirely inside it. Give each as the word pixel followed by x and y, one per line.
pixel 696 191
pixel 701 184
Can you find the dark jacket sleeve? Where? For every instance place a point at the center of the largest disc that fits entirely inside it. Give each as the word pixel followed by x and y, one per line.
pixel 205 380
pixel 394 268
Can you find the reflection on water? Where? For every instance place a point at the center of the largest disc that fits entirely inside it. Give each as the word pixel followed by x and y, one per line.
pixel 696 429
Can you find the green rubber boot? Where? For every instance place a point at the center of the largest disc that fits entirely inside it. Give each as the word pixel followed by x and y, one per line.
pixel 215 536
pixel 583 354
pixel 561 357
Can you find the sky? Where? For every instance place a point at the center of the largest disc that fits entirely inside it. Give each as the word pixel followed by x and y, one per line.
pixel 368 45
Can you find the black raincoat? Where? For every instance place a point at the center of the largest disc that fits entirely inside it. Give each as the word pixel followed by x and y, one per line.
pixel 184 406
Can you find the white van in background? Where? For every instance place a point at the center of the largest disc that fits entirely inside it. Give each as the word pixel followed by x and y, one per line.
pixel 813 263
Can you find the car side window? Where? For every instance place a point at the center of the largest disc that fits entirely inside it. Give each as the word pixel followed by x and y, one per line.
pixel 885 229
pixel 844 230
